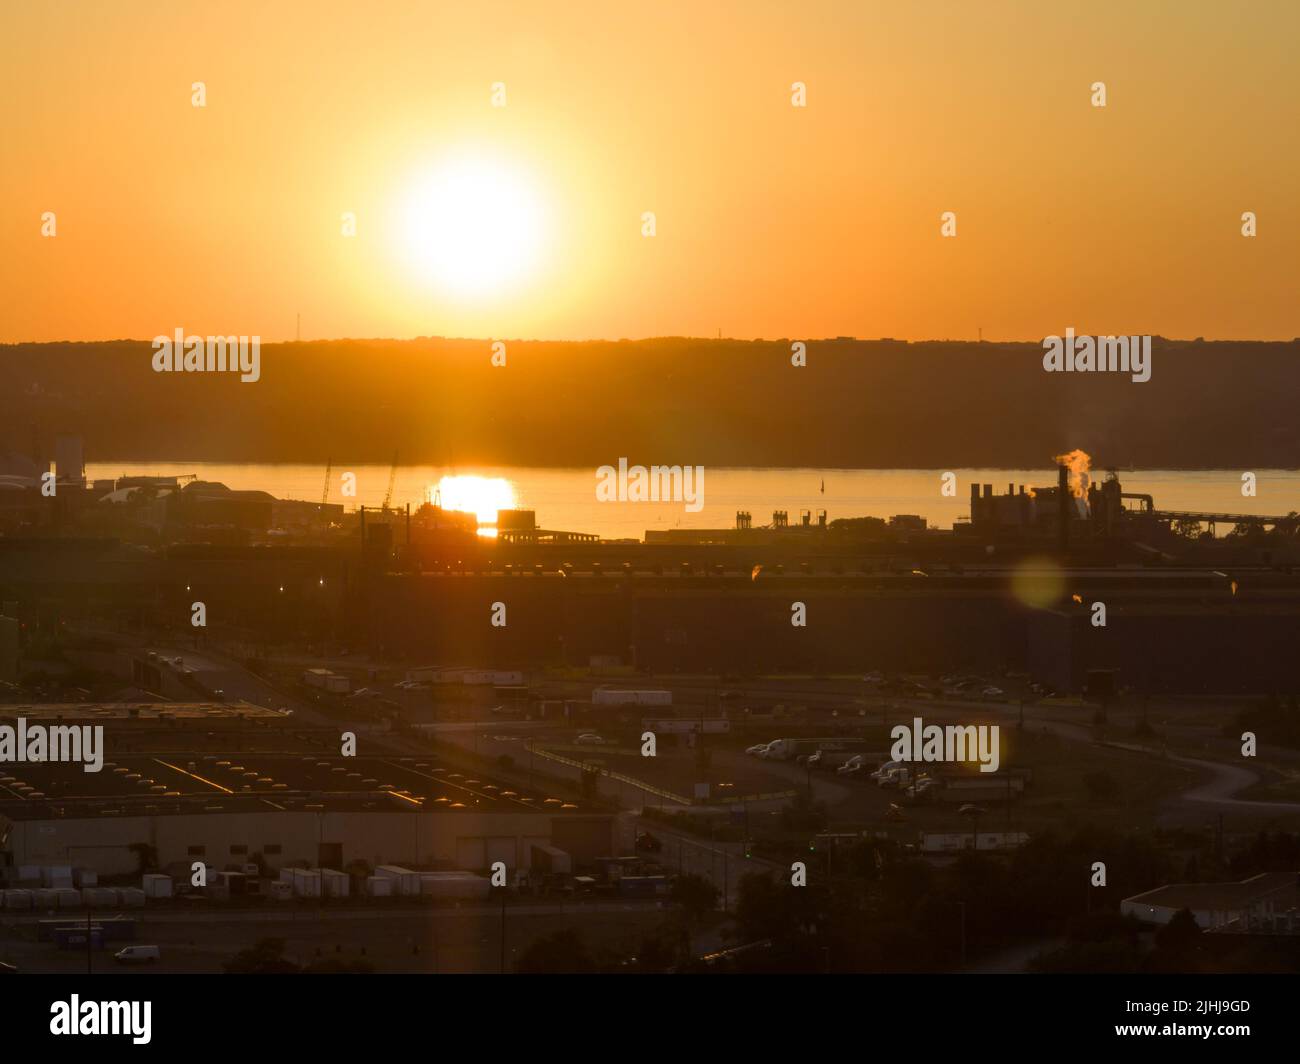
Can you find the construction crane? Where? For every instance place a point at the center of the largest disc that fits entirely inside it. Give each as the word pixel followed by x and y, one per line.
pixel 392 477
pixel 329 468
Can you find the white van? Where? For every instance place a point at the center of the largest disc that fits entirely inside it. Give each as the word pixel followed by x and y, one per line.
pixel 136 955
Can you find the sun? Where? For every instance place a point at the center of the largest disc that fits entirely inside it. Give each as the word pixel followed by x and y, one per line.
pixel 481 496
pixel 473 226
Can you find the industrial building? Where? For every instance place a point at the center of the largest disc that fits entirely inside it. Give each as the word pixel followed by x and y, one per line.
pixel 1268 903
pixel 110 839
pixel 221 783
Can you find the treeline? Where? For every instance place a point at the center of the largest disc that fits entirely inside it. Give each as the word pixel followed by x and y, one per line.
pixel 855 404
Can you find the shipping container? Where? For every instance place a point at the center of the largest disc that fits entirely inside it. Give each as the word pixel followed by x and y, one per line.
pixel 18 899
pixel 405 882
pixel 99 897
pixel 454 885
pixel 156 885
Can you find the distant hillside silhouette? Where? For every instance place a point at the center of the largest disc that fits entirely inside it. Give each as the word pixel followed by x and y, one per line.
pixel 856 404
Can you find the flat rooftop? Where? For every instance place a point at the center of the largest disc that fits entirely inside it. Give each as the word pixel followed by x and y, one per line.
pixel 185 782
pixel 1219 897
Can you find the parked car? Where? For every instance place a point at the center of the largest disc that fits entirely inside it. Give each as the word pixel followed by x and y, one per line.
pixel 899 776
pixel 589 739
pixel 852 767
pixel 924 789
pixel 888 766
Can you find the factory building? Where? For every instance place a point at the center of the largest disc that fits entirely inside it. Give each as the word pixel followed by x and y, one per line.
pixel 109 841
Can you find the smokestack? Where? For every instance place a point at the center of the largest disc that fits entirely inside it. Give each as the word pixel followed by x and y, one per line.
pixel 1064 503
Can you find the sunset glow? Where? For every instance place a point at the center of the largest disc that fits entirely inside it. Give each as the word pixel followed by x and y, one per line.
pixel 481 496
pixel 473 227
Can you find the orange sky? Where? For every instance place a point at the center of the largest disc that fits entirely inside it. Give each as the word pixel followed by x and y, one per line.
pixel 772 221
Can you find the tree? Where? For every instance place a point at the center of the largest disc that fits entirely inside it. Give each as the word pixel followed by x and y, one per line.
pixel 696 896
pixel 1180 935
